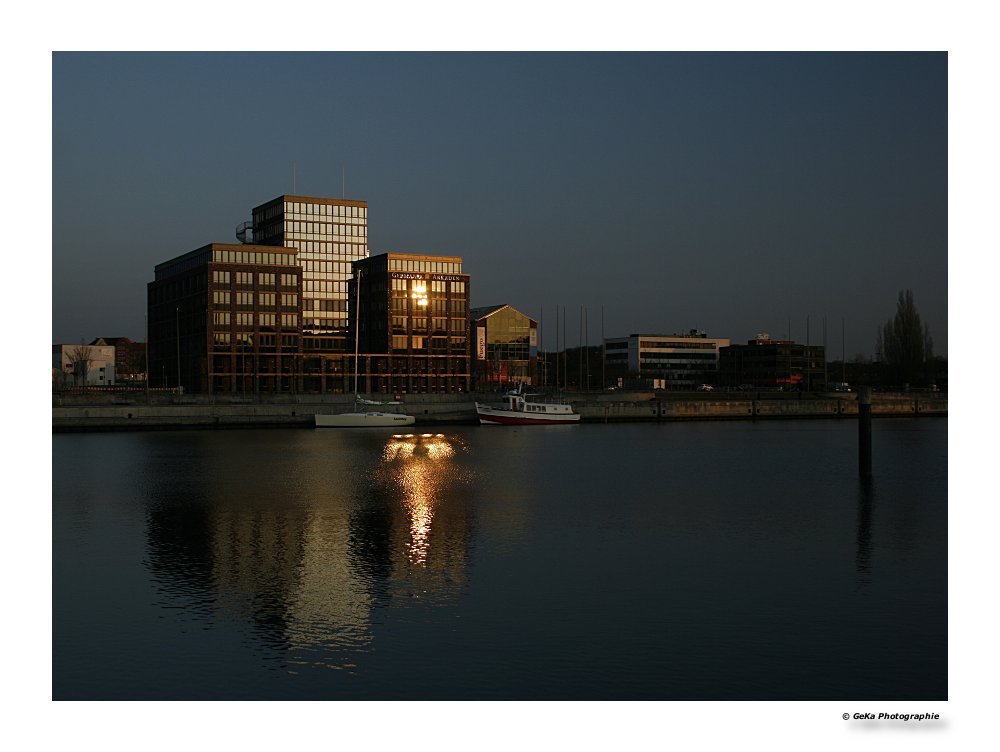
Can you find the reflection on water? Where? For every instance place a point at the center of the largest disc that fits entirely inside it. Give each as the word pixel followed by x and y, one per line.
pixel 618 562
pixel 864 548
pixel 308 570
pixel 417 464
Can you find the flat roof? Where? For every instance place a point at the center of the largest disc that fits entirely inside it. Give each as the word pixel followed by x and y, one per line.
pixel 208 250
pixel 313 200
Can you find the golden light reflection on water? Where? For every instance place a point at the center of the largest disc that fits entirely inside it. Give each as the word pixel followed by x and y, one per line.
pixel 420 466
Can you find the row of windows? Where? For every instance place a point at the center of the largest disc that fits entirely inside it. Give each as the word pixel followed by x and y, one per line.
pixel 349 251
pixel 270 212
pixel 455 306
pixel 680 367
pixel 332 320
pixel 420 285
pixel 319 343
pixel 437 322
pixel 419 342
pixel 318 229
pixel 265 299
pixel 333 276
pixel 324 210
pixel 340 267
pixel 325 305
pixel 317 220
pixel 326 252
pixel 246 279
pixel 440 324
pixel 254 257
pixel 225 318
pixel 245 339
pixel 439 286
pixel 415 265
pixel 506 351
pixel 675 357
pixel 322 285
pixel 650 345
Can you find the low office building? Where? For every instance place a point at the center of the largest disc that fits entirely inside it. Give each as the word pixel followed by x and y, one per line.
pixel 506 343
pixel 130 359
pixel 664 361
pixel 413 334
pixel 83 365
pixel 227 318
pixel 765 363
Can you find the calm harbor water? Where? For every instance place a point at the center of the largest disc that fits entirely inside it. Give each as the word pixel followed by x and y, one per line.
pixel 703 561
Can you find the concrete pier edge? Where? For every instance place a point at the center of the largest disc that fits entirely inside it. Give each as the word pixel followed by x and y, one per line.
pixel 71 413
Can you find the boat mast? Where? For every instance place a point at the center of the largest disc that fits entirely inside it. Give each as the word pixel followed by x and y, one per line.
pixel 357 333
pixel 557 347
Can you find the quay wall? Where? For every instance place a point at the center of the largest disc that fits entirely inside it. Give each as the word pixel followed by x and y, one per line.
pixel 759 407
pixel 93 413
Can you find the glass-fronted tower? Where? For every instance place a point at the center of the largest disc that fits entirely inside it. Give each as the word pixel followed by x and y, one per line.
pixel 330 234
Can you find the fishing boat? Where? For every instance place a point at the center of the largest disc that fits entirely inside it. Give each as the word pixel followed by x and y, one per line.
pixel 360 418
pixel 518 410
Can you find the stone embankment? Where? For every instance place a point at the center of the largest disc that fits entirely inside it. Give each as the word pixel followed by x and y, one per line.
pixel 91 412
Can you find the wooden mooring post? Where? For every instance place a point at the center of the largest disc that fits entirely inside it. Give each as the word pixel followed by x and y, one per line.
pixel 865 432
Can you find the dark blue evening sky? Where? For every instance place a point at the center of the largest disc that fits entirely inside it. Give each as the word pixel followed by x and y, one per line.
pixel 725 192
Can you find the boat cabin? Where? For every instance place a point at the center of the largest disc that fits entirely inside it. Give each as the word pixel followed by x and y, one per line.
pixel 518 403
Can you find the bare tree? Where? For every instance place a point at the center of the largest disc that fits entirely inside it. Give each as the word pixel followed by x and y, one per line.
pixel 904 343
pixel 81 358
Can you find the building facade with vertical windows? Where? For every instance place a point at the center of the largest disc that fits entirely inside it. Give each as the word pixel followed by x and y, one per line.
pixel 276 314
pixel 664 361
pixel 413 323
pixel 227 318
pixel 506 348
pixel 330 234
pixel 766 363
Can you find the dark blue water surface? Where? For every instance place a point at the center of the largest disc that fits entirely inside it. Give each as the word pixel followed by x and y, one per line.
pixel 735 560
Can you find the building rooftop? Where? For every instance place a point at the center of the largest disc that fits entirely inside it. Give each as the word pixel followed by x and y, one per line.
pixel 313 200
pixel 217 251
pixel 484 311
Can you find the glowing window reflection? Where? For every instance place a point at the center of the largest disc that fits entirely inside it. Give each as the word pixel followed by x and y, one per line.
pixel 418 464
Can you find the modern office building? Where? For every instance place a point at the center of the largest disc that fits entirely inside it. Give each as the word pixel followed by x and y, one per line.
pixel 276 314
pixel 227 318
pixel 506 343
pixel 329 234
pixel 665 361
pixel 413 334
pixel 766 363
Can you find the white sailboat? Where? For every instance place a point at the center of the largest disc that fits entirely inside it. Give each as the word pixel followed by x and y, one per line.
pixel 359 419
